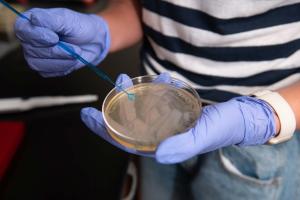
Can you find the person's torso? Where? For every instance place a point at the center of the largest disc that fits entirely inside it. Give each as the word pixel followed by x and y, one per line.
pixel 223 48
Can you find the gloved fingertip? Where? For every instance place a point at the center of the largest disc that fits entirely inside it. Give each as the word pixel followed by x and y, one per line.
pixel 167 158
pixel 93 119
pixel 164 153
pixel 123 81
pixel 20 23
pixel 85 110
pixel 38 16
pixel 177 148
pixel 90 112
pixel 122 78
pixel 161 158
pixel 84 114
pixel 36 36
pixel 163 78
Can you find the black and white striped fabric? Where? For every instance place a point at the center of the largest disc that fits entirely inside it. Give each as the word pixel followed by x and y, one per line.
pixel 223 48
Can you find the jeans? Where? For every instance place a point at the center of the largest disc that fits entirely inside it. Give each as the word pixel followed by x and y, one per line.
pixel 255 172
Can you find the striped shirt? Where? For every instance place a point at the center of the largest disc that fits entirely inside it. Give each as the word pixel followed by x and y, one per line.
pixel 223 48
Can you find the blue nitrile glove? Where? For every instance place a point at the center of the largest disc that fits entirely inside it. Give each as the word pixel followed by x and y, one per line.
pixel 87 34
pixel 240 121
pixel 93 118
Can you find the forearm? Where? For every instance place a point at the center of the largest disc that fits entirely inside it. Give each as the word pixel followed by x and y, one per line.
pixel 292 95
pixel 123 18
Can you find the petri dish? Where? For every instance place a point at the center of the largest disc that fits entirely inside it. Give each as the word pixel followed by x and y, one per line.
pixel 159 110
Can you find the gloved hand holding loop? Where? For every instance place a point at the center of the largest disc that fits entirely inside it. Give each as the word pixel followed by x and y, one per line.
pixel 88 35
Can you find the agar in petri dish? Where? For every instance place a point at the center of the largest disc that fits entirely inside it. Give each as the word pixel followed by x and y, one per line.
pixel 159 111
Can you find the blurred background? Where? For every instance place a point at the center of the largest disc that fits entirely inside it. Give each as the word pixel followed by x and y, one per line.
pixel 48 153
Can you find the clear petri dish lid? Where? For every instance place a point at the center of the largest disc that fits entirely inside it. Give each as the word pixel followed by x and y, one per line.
pixel 159 110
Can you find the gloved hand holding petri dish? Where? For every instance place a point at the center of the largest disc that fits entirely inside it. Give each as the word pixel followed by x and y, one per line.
pixel 162 107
